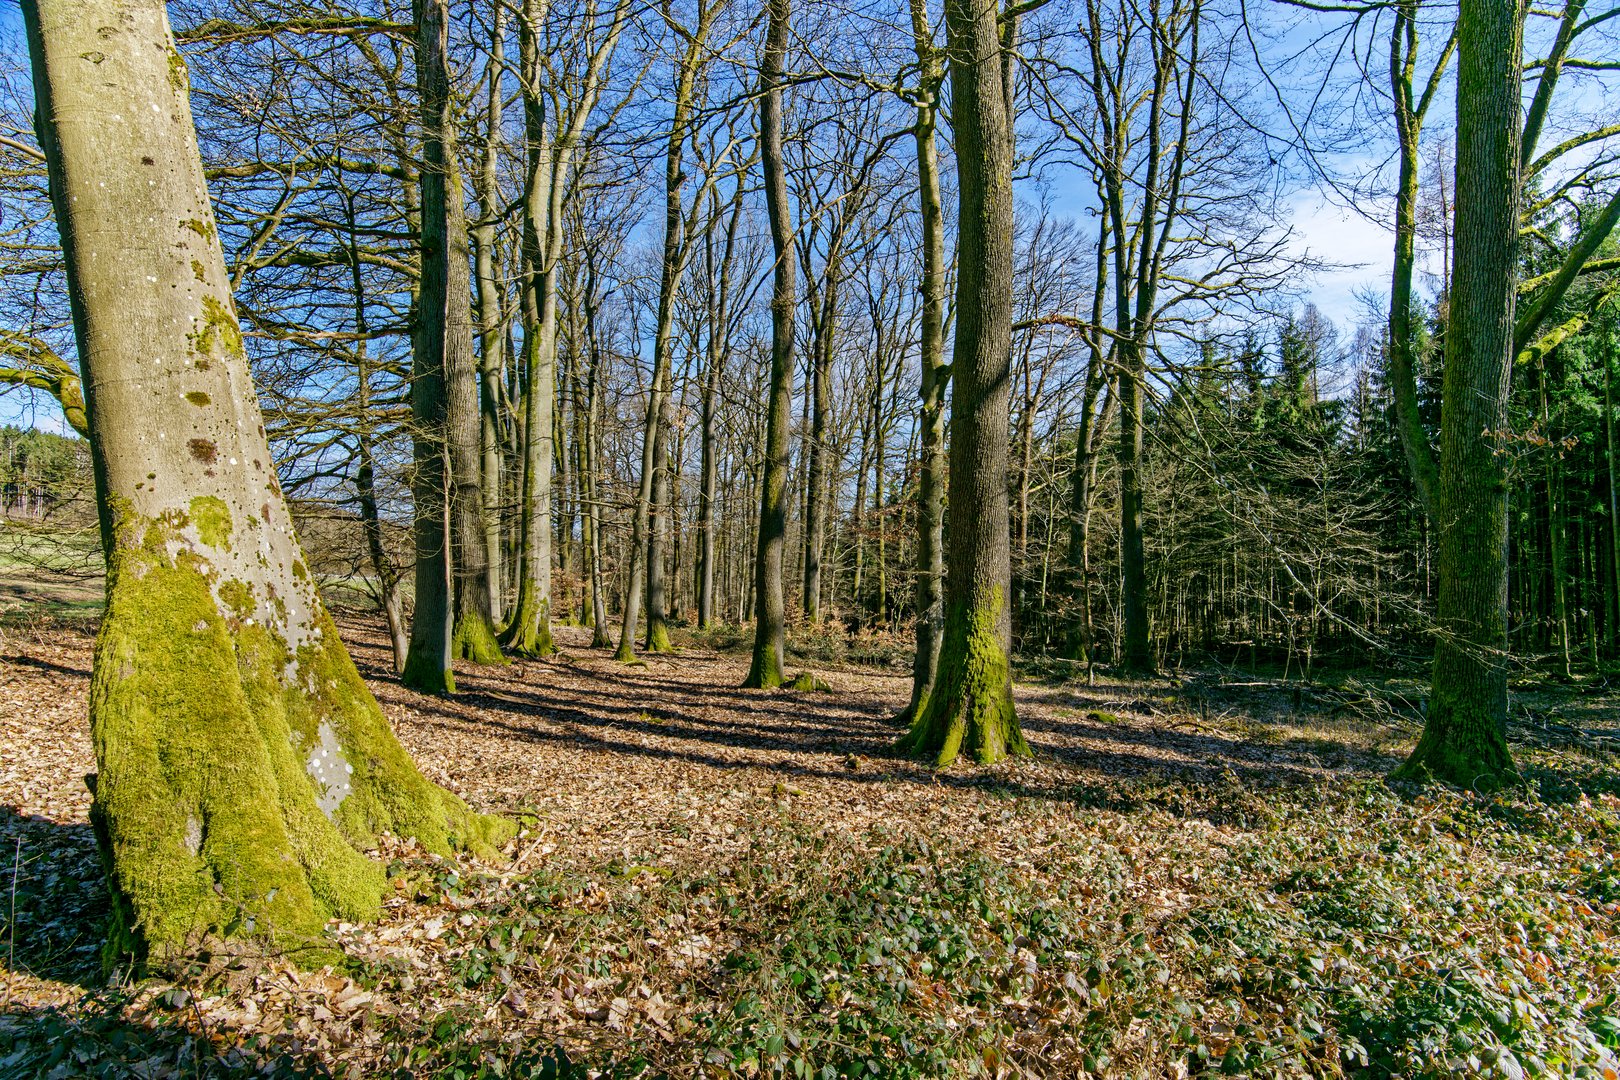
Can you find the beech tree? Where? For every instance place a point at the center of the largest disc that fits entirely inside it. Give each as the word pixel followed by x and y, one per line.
pixel 557 103
pixel 241 762
pixel 971 707
pixel 1464 737
pixel 935 374
pixel 697 52
pixel 766 669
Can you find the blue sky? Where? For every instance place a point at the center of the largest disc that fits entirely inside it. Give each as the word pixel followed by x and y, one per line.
pixel 1359 244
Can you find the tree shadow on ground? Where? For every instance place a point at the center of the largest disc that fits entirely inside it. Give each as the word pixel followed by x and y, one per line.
pixel 54 904
pixel 704 719
pixel 103 1034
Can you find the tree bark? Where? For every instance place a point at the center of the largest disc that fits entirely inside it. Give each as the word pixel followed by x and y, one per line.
pixel 1614 497
pixel 427 665
pixel 241 761
pixel 529 631
pixel 490 337
pixel 660 514
pixel 709 481
pixel 971 708
pixel 935 377
pixel 815 477
pixel 1137 653
pixel 444 310
pixel 766 669
pixel 1464 737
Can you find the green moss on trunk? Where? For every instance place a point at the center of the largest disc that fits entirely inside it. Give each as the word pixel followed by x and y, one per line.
pixel 971 709
pixel 474 640
pixel 658 636
pixel 765 672
pixel 1460 745
pixel 423 674
pixel 529 632
pixel 237 778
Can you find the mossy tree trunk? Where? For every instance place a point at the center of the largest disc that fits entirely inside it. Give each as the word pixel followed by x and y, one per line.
pixel 491 319
pixel 1464 738
pixel 677 233
pixel 445 334
pixel 241 762
pixel 971 708
pixel 660 514
pixel 935 374
pixel 766 669
pixel 552 141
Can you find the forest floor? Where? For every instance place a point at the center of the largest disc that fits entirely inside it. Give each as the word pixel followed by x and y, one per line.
pixel 1195 873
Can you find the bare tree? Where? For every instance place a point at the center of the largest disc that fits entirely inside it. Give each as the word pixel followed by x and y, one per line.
pixel 241 761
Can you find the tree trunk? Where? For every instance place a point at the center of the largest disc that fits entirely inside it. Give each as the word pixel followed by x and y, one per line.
pixel 444 311
pixel 766 669
pixel 529 632
pixel 1464 737
pixel 673 266
pixel 490 336
pixel 660 516
pixel 815 477
pixel 1137 655
pixel 971 708
pixel 935 377
pixel 1614 497
pixel 427 665
pixel 593 443
pixel 708 482
pixel 241 761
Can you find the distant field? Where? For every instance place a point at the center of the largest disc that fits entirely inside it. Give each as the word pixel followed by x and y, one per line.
pixel 48 572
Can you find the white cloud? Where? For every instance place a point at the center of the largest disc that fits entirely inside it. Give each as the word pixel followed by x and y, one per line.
pixel 1360 250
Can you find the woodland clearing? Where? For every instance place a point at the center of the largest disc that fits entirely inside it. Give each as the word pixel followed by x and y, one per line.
pixel 1205 872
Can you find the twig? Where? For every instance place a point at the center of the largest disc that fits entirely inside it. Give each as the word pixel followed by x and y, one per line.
pixel 11 922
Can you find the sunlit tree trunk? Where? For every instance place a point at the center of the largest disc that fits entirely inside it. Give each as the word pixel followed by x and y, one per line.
pixel 766 669
pixel 444 340
pixel 671 272
pixel 660 516
pixel 930 569
pixel 1464 737
pixel 971 707
pixel 528 633
pixel 241 762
